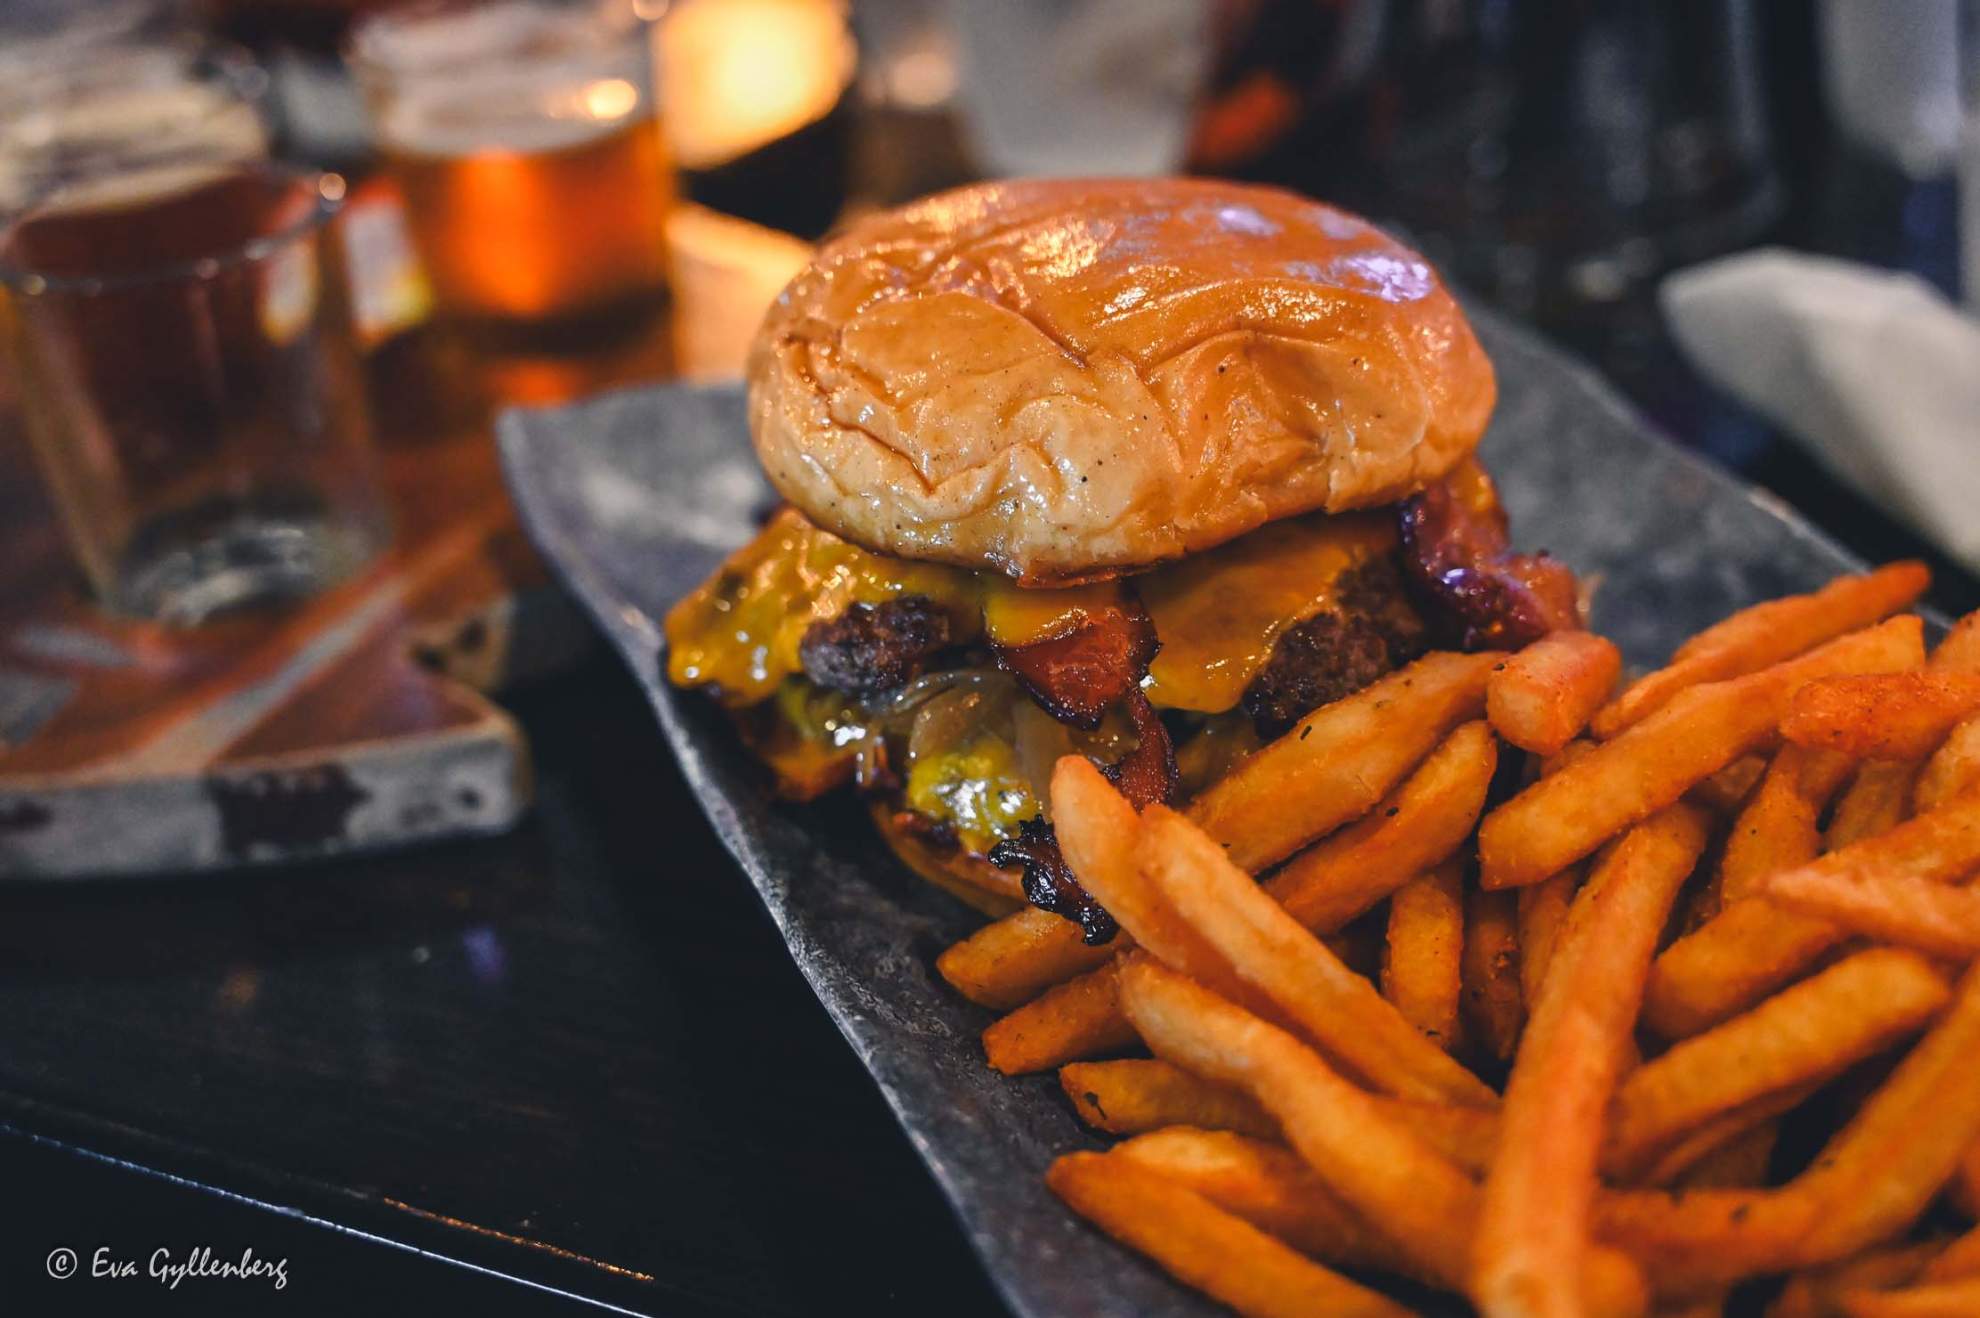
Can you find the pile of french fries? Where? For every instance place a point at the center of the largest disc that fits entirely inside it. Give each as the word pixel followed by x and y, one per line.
pixel 1571 1002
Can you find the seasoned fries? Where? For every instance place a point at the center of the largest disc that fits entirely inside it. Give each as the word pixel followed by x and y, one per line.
pixel 1953 768
pixel 1884 716
pixel 1268 1186
pixel 1809 1032
pixel 1341 759
pixel 1533 1228
pixel 1217 1252
pixel 1766 634
pixel 1422 952
pixel 1541 698
pixel 1893 908
pixel 1562 818
pixel 1296 1116
pixel 1275 958
pixel 1135 1094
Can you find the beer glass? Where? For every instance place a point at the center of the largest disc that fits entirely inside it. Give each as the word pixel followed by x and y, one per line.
pixel 524 138
pixel 184 360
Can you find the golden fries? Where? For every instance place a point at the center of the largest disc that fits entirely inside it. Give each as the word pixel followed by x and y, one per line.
pixel 1812 1031
pixel 1304 983
pixel 1296 1115
pixel 1781 824
pixel 1541 698
pixel 1417 827
pixel 1079 1018
pixel 1268 1186
pixel 1562 818
pixel 1954 768
pixel 1946 1299
pixel 1543 907
pixel 1340 759
pixel 1135 1095
pixel 1494 999
pixel 1533 1228
pixel 1421 954
pixel 1011 961
pixel 1217 1252
pixel 1418 1200
pixel 1884 716
pixel 1766 634
pixel 1893 908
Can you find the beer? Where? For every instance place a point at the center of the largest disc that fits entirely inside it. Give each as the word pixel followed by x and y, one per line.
pixel 524 140
pixel 190 384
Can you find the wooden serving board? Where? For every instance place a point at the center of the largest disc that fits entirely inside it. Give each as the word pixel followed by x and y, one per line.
pixel 357 719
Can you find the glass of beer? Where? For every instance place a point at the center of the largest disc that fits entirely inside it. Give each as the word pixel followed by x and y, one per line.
pixel 180 340
pixel 524 138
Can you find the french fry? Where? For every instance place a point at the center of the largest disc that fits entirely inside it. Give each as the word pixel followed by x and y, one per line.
pixel 1417 1199
pixel 1205 1247
pixel 1415 828
pixel 1958 650
pixel 1954 768
pixel 1079 1018
pixel 1944 844
pixel 1945 1299
pixel 1726 791
pixel 1966 1184
pixel 1419 825
pixel 1304 983
pixel 1737 958
pixel 1691 1161
pixel 1740 1162
pixel 1960 1258
pixel 1883 716
pixel 1268 1186
pixel 1562 818
pixel 1135 1095
pixel 1533 1227
pixel 1807 1033
pixel 1494 1004
pixel 1468 1136
pixel 1543 907
pixel 1341 759
pixel 1010 961
pixel 1876 801
pixel 1420 960
pixel 1764 635
pixel 1541 697
pixel 1892 908
pixel 1100 835
pixel 1780 826
pixel 1815 1293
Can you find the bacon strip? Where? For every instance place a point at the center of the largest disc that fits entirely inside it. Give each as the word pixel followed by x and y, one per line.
pixel 1455 545
pixel 1076 678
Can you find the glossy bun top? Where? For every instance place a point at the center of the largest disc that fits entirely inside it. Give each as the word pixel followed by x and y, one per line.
pixel 1065 380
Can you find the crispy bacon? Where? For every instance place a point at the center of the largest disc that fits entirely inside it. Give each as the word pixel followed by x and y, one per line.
pixel 1077 677
pixel 1456 547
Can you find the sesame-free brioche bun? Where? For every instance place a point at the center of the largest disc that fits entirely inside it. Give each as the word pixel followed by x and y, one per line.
pixel 1066 380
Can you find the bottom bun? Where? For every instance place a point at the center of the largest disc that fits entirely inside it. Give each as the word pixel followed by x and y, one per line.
pixel 993 891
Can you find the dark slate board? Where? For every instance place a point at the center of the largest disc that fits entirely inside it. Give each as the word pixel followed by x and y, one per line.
pixel 635 497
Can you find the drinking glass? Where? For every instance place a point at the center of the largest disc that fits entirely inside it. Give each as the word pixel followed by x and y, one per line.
pixel 523 136
pixel 182 347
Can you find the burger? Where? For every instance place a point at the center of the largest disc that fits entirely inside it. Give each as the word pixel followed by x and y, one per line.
pixel 1144 470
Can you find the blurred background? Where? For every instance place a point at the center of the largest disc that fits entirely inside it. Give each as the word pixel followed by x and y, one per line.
pixel 549 198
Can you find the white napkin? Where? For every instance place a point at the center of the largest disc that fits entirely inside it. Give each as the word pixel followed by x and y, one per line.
pixel 1875 372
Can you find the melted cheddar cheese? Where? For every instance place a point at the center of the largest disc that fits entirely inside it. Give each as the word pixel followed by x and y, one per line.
pixel 741 630
pixel 1217 614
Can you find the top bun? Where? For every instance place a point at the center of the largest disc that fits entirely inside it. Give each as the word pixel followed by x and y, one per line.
pixel 1067 380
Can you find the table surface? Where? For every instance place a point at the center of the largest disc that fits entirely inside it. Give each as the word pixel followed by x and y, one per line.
pixel 574 1064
